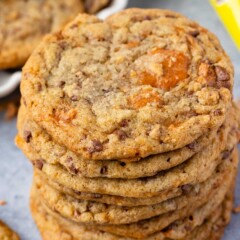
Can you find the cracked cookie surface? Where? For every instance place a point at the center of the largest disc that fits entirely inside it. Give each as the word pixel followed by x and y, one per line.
pixel 105 90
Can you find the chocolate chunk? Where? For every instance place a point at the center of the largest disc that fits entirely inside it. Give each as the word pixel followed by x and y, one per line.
pixel 27 135
pixel 124 123
pixel 147 17
pixel 121 134
pixel 190 218
pixel 192 145
pixel 71 166
pixel 96 146
pixel 104 170
pixel 77 214
pixel 222 74
pixel 39 87
pixel 74 98
pixel 123 164
pixel 77 192
pixel 217 112
pixel 187 188
pixel 226 155
pixel 38 164
pixel 194 33
pixel 61 84
pixel 89 206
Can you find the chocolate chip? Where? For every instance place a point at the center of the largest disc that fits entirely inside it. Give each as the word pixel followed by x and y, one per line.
pixel 121 134
pixel 77 214
pixel 27 135
pixel 147 17
pixel 74 98
pixel 63 45
pixel 89 206
pixel 77 192
pixel 39 87
pixel 61 84
pixel 187 188
pixel 106 90
pixel 96 146
pixel 192 145
pixel 191 218
pixel 217 112
pixel 171 16
pixel 226 155
pixel 75 25
pixel 222 74
pixel 38 164
pixel 168 160
pixel 194 33
pixel 124 123
pixel 96 195
pixel 123 164
pixel 71 166
pixel 104 170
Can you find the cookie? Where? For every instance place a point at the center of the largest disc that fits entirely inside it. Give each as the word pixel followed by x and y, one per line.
pixel 145 228
pixel 24 23
pixel 105 89
pixel 52 227
pixel 190 172
pixel 133 202
pixel 55 227
pixel 6 233
pixel 94 212
pixel 46 149
pixel 118 200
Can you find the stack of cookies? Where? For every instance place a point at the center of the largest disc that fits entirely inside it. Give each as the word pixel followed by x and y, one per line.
pixel 131 129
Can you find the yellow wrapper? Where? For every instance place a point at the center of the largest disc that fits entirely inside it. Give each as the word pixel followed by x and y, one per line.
pixel 229 12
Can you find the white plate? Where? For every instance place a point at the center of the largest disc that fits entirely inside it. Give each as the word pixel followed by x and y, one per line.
pixel 10 81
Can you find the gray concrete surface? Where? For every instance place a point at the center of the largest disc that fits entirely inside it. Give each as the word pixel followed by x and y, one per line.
pixel 16 172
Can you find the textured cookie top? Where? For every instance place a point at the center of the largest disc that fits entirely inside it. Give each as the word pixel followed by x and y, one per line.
pixel 24 23
pixel 140 83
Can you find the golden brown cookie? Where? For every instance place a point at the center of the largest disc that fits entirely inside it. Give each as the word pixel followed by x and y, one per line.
pixel 125 87
pixel 24 23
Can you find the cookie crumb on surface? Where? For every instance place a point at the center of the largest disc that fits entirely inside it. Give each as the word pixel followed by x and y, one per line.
pixel 236 209
pixel 3 203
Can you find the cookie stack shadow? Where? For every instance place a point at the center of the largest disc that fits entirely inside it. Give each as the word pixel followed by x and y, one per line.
pixel 184 192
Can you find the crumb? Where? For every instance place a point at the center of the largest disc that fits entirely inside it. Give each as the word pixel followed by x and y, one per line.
pixel 236 209
pixel 11 111
pixel 3 203
pixel 10 105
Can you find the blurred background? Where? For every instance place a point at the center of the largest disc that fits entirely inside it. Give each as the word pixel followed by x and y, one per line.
pixel 15 171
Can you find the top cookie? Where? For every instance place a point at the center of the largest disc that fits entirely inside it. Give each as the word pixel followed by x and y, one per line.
pixel 24 23
pixel 139 83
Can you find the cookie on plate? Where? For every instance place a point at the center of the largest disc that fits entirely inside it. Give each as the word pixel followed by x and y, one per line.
pixel 24 23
